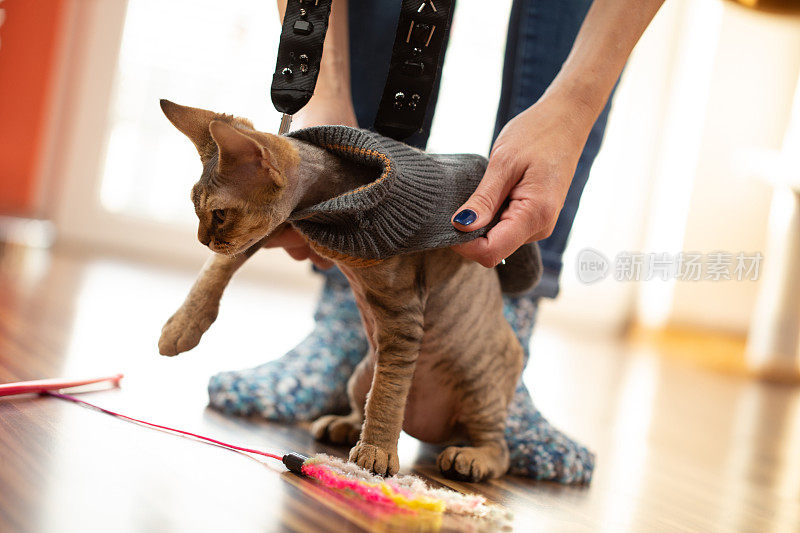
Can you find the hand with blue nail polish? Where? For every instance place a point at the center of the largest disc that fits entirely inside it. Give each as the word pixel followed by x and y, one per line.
pixel 533 160
pixel 531 165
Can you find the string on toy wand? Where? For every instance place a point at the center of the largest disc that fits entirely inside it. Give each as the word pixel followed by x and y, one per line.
pixel 405 494
pixel 293 461
pixel 402 494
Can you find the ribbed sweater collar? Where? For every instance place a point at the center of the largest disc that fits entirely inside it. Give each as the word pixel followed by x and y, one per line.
pixel 406 208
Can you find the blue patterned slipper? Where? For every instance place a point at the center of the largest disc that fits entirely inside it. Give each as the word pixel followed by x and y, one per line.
pixel 310 380
pixel 537 449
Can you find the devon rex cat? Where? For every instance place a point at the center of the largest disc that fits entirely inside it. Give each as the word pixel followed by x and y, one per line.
pixel 443 362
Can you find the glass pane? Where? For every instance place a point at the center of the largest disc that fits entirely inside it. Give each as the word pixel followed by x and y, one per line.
pixel 202 53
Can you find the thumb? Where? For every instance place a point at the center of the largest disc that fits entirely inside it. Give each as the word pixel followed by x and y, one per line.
pixel 482 206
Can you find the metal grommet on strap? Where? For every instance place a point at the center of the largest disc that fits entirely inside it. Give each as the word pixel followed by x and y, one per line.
pixel 420 40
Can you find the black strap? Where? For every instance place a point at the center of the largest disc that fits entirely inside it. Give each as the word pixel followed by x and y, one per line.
pixel 299 53
pixel 419 45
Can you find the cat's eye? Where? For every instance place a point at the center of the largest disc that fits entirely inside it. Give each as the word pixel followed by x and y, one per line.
pixel 218 215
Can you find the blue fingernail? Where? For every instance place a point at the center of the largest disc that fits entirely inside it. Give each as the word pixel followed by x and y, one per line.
pixel 465 217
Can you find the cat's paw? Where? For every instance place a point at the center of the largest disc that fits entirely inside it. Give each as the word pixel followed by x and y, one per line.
pixel 472 464
pixel 337 429
pixel 375 459
pixel 183 330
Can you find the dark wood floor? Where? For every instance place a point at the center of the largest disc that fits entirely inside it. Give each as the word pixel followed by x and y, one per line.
pixel 679 448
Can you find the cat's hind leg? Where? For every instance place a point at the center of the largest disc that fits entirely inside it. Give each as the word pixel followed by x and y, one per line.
pixel 346 429
pixel 487 457
pixel 338 429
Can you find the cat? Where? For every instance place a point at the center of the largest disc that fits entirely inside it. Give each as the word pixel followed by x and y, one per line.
pixel 443 363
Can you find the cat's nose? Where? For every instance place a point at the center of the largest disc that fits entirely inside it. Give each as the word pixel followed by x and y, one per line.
pixel 203 235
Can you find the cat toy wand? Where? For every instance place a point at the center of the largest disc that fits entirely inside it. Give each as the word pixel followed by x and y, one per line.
pixel 400 494
pixel 50 387
pixel 44 385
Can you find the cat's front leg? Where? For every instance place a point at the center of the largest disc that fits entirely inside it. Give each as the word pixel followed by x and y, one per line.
pixel 398 321
pixel 183 330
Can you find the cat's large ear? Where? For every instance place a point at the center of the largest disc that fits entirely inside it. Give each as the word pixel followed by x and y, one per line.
pixel 244 159
pixel 193 123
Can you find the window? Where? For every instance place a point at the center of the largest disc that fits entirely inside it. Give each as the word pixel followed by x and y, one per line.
pixel 202 53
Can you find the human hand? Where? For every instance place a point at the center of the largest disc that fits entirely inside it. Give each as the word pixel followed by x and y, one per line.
pixel 296 246
pixel 531 164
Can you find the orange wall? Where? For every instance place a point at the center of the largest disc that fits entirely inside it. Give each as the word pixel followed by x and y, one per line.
pixel 28 41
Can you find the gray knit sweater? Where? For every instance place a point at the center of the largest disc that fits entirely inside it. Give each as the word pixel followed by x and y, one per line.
pixel 407 208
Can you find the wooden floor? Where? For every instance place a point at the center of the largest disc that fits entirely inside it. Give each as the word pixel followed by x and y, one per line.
pixel 679 448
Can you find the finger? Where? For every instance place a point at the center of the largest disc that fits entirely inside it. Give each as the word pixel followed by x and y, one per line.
pixel 501 241
pixel 319 261
pixel 298 254
pixel 481 207
pixel 288 238
pixel 471 250
pixel 513 230
pixel 545 227
pixel 539 236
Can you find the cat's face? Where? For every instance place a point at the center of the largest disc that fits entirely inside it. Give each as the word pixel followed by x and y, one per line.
pixel 226 225
pixel 241 195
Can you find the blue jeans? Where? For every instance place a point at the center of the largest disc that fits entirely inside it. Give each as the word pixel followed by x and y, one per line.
pixel 539 39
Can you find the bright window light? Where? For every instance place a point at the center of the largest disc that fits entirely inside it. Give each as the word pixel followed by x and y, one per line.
pixel 201 53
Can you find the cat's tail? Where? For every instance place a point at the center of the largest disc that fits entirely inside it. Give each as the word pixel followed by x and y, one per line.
pixel 522 269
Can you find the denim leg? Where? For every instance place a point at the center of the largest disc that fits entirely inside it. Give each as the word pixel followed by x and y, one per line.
pixel 540 37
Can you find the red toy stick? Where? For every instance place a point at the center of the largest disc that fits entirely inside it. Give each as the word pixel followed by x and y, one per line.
pixel 42 385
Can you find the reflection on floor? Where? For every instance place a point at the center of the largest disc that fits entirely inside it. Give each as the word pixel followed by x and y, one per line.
pixel 679 448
